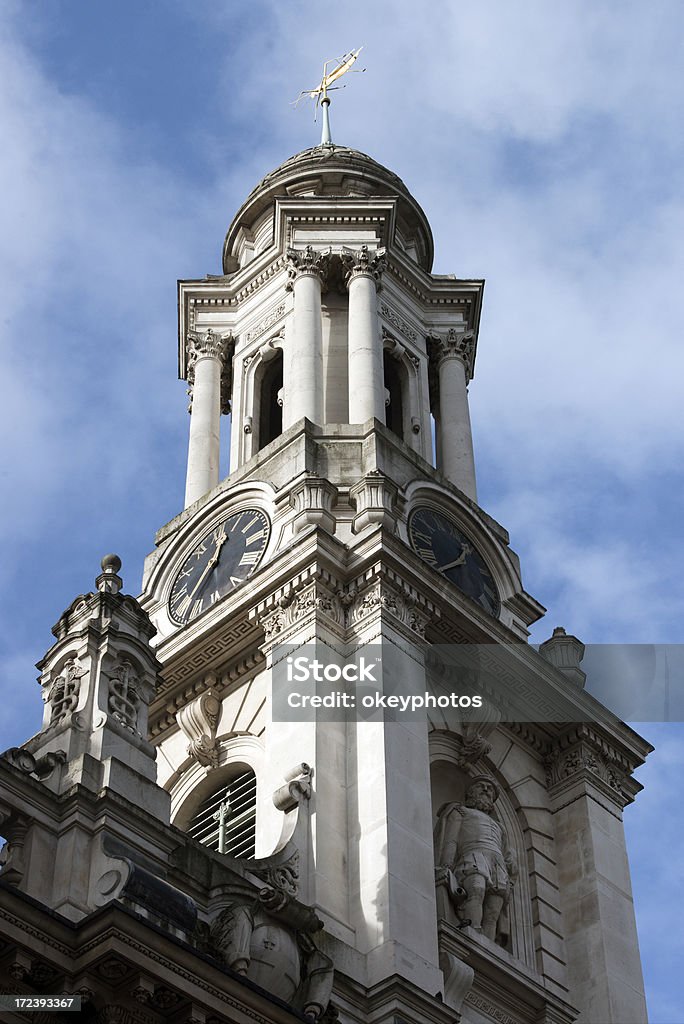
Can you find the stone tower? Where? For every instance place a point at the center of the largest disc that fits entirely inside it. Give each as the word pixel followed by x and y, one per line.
pixel 424 867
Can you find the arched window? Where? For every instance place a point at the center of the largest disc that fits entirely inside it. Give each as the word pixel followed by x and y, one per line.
pixel 226 820
pixel 394 412
pixel 270 409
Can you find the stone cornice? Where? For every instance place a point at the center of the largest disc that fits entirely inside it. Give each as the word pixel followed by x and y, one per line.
pixel 142 948
pixel 172 694
pixel 439 295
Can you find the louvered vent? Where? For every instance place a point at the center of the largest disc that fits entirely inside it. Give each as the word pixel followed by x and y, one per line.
pixel 226 821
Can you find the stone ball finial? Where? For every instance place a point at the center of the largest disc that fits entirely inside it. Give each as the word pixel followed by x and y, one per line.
pixel 109 582
pixel 110 563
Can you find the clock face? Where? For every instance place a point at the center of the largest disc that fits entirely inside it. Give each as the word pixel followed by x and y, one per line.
pixel 441 544
pixel 221 561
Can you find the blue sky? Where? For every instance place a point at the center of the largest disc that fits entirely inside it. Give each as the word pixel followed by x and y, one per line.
pixel 544 142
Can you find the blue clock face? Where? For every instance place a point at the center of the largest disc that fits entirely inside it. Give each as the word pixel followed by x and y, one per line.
pixel 444 547
pixel 222 561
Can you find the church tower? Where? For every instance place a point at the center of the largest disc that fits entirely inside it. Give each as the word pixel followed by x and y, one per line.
pixel 304 862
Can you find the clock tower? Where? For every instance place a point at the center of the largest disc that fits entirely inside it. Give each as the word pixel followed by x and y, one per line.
pixel 435 866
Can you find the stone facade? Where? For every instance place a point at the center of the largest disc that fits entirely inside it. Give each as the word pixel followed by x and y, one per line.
pixel 426 868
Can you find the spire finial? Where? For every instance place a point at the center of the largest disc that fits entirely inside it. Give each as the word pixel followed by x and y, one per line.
pixel 109 582
pixel 320 93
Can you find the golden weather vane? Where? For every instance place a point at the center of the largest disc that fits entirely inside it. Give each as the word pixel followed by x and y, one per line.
pixel 342 64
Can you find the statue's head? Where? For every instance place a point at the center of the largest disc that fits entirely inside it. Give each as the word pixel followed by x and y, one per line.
pixel 482 794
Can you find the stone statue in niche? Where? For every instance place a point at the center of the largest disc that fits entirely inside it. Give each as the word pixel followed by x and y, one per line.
pixel 475 863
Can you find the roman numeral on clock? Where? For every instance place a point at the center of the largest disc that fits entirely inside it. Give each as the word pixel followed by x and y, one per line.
pixel 250 558
pixel 427 554
pixel 182 605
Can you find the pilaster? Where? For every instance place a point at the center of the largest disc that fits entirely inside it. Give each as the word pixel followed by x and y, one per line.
pixel 589 784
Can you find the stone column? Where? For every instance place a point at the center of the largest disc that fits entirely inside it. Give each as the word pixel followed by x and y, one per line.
pixel 366 375
pixel 304 391
pixel 453 356
pixel 206 355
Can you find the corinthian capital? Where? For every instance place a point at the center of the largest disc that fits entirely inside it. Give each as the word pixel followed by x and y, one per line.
pixel 307 261
pixel 453 345
pixel 364 262
pixel 210 344
pixel 207 343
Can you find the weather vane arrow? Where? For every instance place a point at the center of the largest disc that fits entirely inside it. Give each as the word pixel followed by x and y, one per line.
pixel 320 93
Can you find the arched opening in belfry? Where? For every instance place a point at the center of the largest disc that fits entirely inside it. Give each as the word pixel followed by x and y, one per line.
pixel 394 391
pixel 226 820
pixel 270 401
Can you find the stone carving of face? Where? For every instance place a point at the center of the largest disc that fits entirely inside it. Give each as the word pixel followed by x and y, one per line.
pixel 481 796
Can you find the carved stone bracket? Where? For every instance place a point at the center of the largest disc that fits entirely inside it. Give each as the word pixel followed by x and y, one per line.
pixel 297 788
pixel 388 593
pixel 14 826
pixel 315 594
pixel 474 740
pixel 216 346
pixel 41 767
pixel 281 874
pixel 313 499
pixel 582 753
pixel 398 351
pixel 198 721
pixel 364 262
pixel 375 500
pixel 307 261
pixel 319 595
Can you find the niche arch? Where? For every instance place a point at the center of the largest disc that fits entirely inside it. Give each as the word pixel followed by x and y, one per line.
pixel 449 779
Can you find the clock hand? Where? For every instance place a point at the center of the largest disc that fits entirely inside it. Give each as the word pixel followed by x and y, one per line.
pixel 457 561
pixel 220 541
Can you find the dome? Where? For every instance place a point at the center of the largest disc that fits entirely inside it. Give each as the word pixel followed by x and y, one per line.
pixel 334 171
